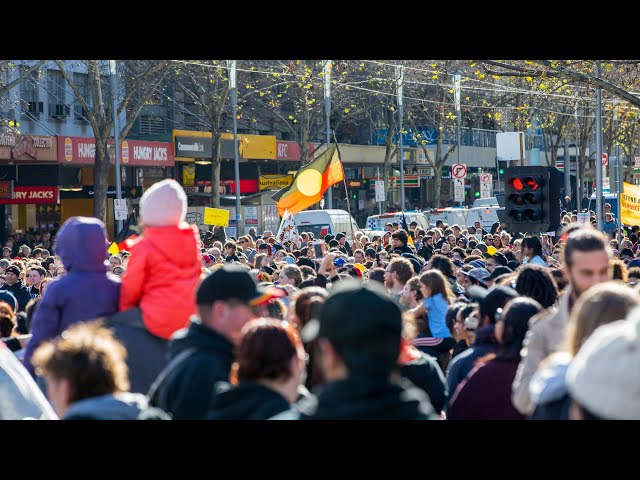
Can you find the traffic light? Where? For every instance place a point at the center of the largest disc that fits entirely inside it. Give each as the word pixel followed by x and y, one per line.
pixel 501 171
pixel 532 199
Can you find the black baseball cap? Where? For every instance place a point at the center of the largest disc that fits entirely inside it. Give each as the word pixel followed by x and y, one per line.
pixel 13 269
pixel 501 258
pixel 328 237
pixel 233 282
pixel 305 261
pixel 364 325
pixel 499 271
pixel 491 300
pixel 341 235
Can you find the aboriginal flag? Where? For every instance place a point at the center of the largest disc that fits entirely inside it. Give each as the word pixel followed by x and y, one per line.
pixel 310 182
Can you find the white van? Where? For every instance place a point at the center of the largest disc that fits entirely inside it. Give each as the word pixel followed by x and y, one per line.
pixel 487 216
pixel 449 216
pixel 329 221
pixel 377 222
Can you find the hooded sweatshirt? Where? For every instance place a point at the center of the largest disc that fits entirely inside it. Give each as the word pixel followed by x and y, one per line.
pixel 365 398
pixel 247 401
pixel 86 292
pixel 119 406
pixel 162 276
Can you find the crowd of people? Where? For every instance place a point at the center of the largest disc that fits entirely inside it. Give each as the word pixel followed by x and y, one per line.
pixel 451 323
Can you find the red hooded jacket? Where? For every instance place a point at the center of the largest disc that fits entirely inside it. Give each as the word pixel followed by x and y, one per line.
pixel 162 276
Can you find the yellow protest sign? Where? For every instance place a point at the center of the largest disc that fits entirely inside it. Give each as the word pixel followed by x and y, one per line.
pixel 216 216
pixel 630 205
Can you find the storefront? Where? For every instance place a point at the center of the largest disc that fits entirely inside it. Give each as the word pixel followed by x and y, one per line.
pixel 142 164
pixel 193 153
pixel 28 182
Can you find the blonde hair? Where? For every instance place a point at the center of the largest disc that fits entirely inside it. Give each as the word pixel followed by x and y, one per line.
pixel 603 303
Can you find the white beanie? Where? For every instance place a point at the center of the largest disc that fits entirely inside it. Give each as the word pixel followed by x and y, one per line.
pixel 164 204
pixel 603 376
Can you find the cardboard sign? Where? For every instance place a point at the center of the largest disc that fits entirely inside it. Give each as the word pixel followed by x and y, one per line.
pixel 216 216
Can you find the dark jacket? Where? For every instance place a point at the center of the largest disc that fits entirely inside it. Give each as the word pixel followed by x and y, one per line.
pixel 346 249
pixel 247 401
pixel 146 353
pixel 19 291
pixel 425 373
pixel 364 398
pixel 461 365
pixel 86 292
pixel 187 391
pixel 403 249
pixel 486 393
pixel 425 252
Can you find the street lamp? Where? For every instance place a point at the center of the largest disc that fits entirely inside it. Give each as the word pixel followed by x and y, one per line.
pixel 233 90
pixel 326 69
pixel 457 76
pixel 114 83
pixel 399 91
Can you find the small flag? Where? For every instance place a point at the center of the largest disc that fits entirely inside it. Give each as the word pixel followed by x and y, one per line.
pixel 406 229
pixel 288 231
pixel 113 248
pixel 324 231
pixel 128 232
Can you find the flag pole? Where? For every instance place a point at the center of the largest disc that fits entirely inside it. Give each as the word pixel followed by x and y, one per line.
pixel 344 182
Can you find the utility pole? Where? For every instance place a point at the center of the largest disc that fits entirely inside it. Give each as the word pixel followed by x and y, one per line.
pixel 114 90
pixel 233 90
pixel 399 88
pixel 327 112
pixel 598 160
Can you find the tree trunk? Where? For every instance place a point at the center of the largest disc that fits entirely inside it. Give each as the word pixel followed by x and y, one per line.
pixel 581 176
pixel 387 190
pixel 437 185
pixel 101 181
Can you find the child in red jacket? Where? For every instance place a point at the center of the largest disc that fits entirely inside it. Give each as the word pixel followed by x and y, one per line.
pixel 164 267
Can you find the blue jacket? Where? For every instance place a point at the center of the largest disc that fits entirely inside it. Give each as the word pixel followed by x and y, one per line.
pixel 86 292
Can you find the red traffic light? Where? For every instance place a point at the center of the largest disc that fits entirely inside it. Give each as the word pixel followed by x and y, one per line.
pixel 516 183
pixel 531 183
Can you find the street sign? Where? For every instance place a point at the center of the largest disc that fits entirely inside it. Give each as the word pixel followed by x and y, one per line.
pixel 380 197
pixel 605 159
pixel 120 208
pixel 605 183
pixel 458 190
pixel 637 162
pixel 486 185
pixel 459 170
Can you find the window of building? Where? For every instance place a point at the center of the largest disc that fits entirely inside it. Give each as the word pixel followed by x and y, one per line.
pixel 152 125
pixel 57 93
pixel 29 98
pixel 81 81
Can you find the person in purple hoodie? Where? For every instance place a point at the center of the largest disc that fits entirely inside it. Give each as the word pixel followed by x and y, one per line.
pixel 86 292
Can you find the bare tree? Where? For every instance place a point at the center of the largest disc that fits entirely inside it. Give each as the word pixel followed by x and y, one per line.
pixel 206 84
pixel 140 80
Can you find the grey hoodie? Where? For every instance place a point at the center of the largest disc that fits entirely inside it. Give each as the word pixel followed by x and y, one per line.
pixel 548 384
pixel 120 406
